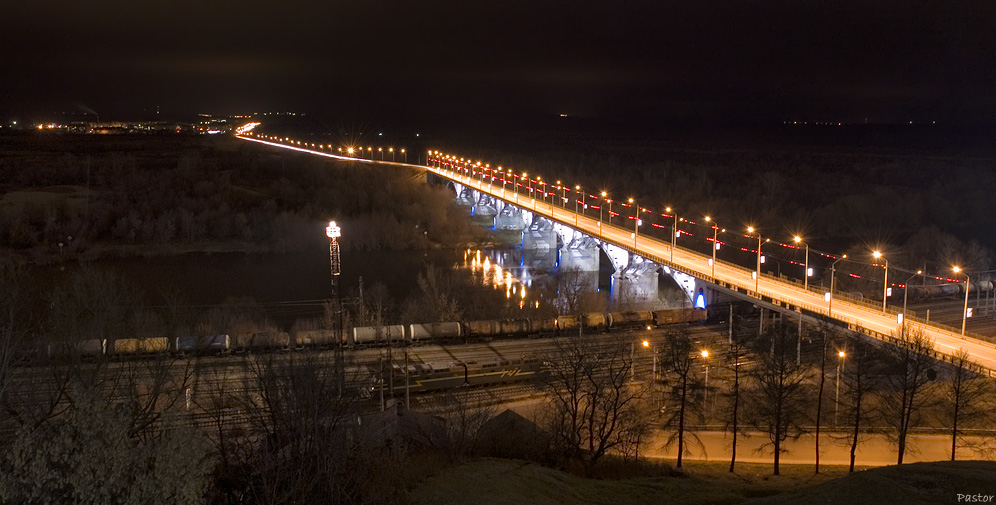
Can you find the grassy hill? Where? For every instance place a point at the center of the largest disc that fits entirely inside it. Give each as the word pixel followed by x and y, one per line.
pixel 500 482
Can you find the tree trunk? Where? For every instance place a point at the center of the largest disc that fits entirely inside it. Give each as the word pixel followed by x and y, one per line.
pixel 819 400
pixel 857 422
pixel 681 420
pixel 954 428
pixel 736 405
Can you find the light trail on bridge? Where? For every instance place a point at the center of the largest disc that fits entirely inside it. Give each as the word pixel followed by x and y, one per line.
pixel 875 322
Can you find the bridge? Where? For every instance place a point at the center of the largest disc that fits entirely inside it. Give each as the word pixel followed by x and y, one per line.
pixel 875 320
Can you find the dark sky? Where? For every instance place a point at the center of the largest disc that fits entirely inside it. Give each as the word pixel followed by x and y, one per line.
pixel 703 61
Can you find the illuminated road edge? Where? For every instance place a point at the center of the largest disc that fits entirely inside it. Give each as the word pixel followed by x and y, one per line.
pixel 870 321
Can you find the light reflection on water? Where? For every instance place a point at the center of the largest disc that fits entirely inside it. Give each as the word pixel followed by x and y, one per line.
pixel 514 270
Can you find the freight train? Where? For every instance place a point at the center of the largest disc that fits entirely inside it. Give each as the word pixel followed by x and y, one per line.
pixel 383 335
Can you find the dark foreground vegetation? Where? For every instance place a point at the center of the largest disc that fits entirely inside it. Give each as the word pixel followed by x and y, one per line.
pixel 292 427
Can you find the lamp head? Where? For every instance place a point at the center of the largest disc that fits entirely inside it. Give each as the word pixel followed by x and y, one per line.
pixel 333 230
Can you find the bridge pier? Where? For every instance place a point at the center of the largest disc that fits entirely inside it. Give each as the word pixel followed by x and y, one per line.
pixel 510 217
pixel 485 206
pixel 540 235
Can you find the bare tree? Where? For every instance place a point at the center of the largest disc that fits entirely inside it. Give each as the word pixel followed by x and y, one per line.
pixel 908 384
pixel 680 367
pixel 593 405
pixel 777 398
pixel 297 420
pixel 13 323
pixel 733 411
pixel 576 292
pixel 966 399
pixel 857 378
pixel 826 336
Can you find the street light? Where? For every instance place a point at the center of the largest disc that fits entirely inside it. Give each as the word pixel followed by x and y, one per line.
pixel 798 240
pixel 715 243
pixel 653 347
pixel 600 209
pixel 885 285
pixel 636 220
pixel 705 356
pixel 906 292
pixel 964 312
pixel 833 269
pixel 674 234
pixel 840 355
pixel 563 194
pixel 757 273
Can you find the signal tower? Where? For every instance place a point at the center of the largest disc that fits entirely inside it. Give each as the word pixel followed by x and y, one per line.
pixel 334 232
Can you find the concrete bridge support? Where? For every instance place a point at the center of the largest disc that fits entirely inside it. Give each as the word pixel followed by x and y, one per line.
pixel 540 235
pixel 465 195
pixel 510 218
pixel 485 205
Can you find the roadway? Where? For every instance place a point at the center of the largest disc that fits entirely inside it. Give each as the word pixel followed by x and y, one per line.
pixel 874 321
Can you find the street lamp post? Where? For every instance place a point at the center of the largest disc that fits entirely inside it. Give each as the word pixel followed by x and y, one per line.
pixel 906 292
pixel 833 269
pixel 674 232
pixel 715 243
pixel 636 220
pixel 705 356
pixel 600 209
pixel 885 285
pixel 757 273
pixel 563 194
pixel 577 189
pixel 798 240
pixel 653 348
pixel 964 311
pixel 841 355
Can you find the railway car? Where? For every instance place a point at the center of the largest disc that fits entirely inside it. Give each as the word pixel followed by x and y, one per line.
pixel 364 335
pixel 92 347
pixel 672 316
pixel 514 326
pixel 488 328
pixel 261 341
pixel 434 331
pixel 219 344
pixel 594 321
pixel 313 338
pixel 630 319
pixel 153 345
pixel 565 323
pixel 124 346
pixel 543 326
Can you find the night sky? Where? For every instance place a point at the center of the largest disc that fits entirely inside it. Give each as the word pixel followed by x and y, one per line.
pixel 884 61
